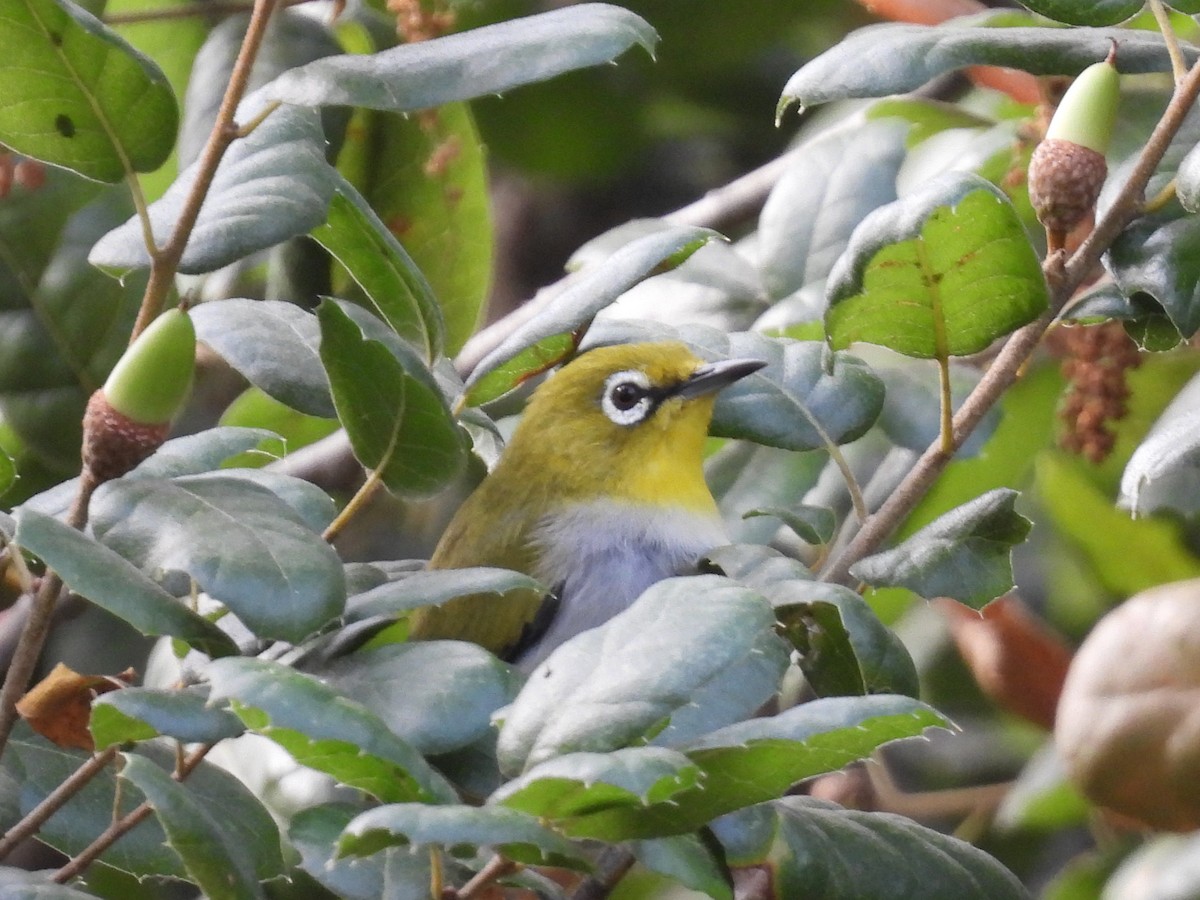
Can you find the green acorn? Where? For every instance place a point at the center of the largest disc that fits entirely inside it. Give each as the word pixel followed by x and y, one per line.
pixel 1068 167
pixel 129 418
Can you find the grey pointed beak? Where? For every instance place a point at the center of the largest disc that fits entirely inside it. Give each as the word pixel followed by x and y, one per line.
pixel 712 377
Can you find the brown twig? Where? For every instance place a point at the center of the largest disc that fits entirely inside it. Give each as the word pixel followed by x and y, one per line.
pixel 496 867
pixel 164 260
pixel 37 626
pixel 612 866
pixel 125 824
pixel 56 799
pixel 1063 279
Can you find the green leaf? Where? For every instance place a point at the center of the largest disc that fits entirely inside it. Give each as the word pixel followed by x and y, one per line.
pixel 881 60
pixel 1128 555
pixel 394 286
pixel 451 674
pixel 546 339
pixel 392 874
pixel 427 181
pixel 273 344
pixel 760 759
pixel 469 64
pixel 608 688
pixel 142 851
pixel 271 185
pixel 844 648
pixel 517 836
pixel 220 863
pixel 243 544
pixel 689 861
pixel 943 272
pixel 326 731
pixel 115 584
pixel 1162 472
pixel 65 322
pixel 17 884
pixel 137 714
pixel 926 118
pixel 829 185
pixel 75 95
pixel 812 846
pixel 571 786
pixel 1086 12
pixel 965 554
pixel 390 405
pixel 802 398
pixel 812 524
pixel 8 472
pixel 433 588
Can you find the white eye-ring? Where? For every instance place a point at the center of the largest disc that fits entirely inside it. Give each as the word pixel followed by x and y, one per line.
pixel 627 397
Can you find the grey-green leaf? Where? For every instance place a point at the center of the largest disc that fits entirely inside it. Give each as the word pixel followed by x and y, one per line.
pixel 74 94
pixel 816 847
pixel 435 587
pixel 392 874
pixel 218 861
pixel 1164 470
pixel 451 675
pixel 469 64
pixel 390 405
pixel 881 60
pixel 574 785
pixel 138 714
pixel 812 524
pixel 964 554
pixel 611 686
pixel 18 884
pixel 274 344
pixel 547 338
pixel 829 185
pixel 519 836
pixel 244 545
pixel 112 582
pixel 326 731
pixel 687 859
pixel 271 185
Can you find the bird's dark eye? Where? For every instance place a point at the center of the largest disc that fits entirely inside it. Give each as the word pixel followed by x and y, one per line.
pixel 627 397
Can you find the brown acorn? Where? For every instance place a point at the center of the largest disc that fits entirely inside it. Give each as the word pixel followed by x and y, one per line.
pixel 1068 167
pixel 130 417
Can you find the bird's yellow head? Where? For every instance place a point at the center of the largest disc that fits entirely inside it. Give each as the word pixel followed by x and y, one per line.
pixel 626 422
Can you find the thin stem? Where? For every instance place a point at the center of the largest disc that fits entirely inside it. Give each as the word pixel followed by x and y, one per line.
pixel 353 505
pixel 37 626
pixel 612 866
pixel 947 404
pixel 1165 195
pixel 56 799
pixel 1063 278
pixel 143 212
pixel 165 261
pixel 125 824
pixel 497 867
pixel 1178 66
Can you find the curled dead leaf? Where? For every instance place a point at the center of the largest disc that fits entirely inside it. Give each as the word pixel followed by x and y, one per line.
pixel 1015 657
pixel 1128 722
pixel 59 707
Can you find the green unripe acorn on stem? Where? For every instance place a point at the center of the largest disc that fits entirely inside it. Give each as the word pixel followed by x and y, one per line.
pixel 130 417
pixel 1068 167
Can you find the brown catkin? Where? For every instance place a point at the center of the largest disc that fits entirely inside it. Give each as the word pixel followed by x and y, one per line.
pixel 1096 361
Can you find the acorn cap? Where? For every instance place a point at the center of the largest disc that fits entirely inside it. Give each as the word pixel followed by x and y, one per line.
pixel 152 379
pixel 1087 113
pixel 1065 179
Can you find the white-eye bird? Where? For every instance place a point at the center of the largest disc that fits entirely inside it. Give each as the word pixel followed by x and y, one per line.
pixel 599 494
